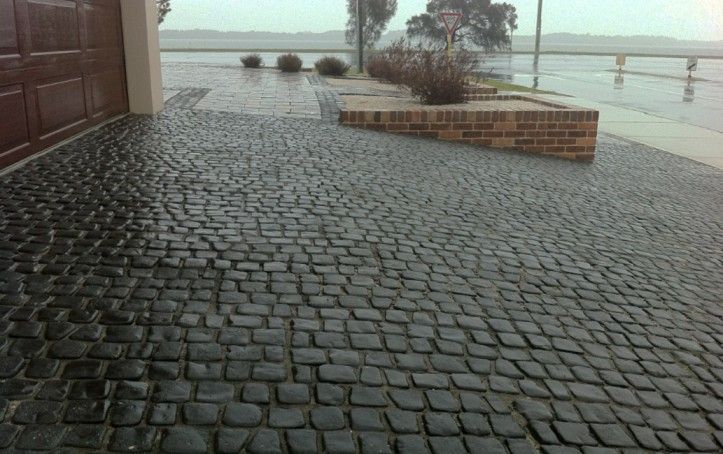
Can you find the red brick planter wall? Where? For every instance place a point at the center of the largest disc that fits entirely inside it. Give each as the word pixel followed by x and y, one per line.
pixel 566 131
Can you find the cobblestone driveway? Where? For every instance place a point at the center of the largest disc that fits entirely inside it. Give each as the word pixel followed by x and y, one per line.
pixel 206 281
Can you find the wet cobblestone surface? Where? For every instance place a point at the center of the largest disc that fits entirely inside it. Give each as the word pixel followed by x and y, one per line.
pixel 330 102
pixel 212 282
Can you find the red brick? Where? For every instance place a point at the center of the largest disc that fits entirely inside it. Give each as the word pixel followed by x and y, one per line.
pixel 450 135
pixel 576 134
pixel 514 133
pixel 505 126
pixel 554 149
pixel 574 149
pixel 398 126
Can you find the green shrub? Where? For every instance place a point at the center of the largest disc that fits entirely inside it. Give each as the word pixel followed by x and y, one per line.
pixel 289 63
pixel 252 61
pixel 331 66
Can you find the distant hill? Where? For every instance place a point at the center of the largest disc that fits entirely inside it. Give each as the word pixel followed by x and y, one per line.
pixel 334 39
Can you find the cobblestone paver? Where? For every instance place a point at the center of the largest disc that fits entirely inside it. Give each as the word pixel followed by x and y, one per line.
pixel 186 98
pixel 330 102
pixel 209 282
pixel 248 91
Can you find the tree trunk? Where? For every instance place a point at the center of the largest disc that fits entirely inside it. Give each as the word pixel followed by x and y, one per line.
pixel 360 34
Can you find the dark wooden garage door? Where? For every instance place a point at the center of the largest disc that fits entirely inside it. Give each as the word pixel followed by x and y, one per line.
pixel 61 71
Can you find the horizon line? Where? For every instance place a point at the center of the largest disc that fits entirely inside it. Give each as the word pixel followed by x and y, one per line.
pixel 402 30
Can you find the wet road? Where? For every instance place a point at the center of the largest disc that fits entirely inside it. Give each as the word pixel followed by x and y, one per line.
pixel 652 85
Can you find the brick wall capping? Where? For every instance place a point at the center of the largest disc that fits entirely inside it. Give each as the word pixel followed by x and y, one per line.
pixel 474 90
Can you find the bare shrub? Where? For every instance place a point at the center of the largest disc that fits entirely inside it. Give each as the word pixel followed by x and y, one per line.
pixel 289 63
pixel 252 61
pixel 435 78
pixel 331 66
pixel 431 75
pixel 378 67
pixel 398 56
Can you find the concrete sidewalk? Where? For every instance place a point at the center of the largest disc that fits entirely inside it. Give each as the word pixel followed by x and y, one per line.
pixel 693 142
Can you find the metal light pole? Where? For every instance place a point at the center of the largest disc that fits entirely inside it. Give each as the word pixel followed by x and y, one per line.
pixel 538 32
pixel 360 35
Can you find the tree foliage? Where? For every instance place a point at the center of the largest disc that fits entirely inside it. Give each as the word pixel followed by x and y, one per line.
pixel 375 18
pixel 163 7
pixel 484 23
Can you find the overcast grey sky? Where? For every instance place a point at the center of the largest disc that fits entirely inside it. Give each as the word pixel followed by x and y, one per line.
pixel 683 19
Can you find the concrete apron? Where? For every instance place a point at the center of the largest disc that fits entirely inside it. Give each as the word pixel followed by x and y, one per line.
pixel 693 142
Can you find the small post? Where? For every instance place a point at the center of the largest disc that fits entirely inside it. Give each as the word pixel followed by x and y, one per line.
pixel 691 65
pixel 620 61
pixel 449 45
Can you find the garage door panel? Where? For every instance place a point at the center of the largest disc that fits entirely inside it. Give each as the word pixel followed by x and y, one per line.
pixel 61 71
pixel 14 133
pixel 107 92
pixel 102 25
pixel 9 46
pixel 27 75
pixel 60 104
pixel 53 26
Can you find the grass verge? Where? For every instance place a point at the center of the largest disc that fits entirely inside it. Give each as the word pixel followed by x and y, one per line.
pixel 505 86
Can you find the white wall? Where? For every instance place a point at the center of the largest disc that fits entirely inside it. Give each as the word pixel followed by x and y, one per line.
pixel 142 56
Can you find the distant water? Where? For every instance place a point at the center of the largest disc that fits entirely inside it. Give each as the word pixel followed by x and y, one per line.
pixel 623 49
pixel 232 58
pixel 518 45
pixel 179 43
pixel 708 69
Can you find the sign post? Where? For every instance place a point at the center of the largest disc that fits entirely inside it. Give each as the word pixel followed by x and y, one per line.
pixel 620 61
pixel 691 65
pixel 450 21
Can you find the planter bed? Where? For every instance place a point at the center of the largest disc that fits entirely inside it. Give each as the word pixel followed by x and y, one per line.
pixel 513 122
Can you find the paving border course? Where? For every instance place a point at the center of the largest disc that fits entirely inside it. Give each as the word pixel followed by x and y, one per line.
pixel 564 131
pixel 477 91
